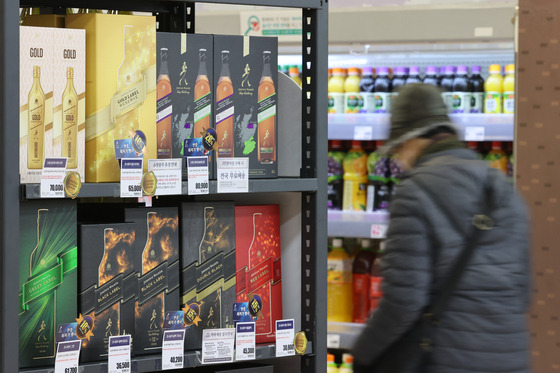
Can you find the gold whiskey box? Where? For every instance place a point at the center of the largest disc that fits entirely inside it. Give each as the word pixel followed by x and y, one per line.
pixel 69 97
pixel 44 20
pixel 121 91
pixel 35 101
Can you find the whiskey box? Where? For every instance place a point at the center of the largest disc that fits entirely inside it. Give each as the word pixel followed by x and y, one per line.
pixel 185 95
pixel 121 91
pixel 208 268
pixel 245 82
pixel 259 271
pixel 69 97
pixel 48 257
pixel 157 260
pixel 44 20
pixel 107 286
pixel 36 59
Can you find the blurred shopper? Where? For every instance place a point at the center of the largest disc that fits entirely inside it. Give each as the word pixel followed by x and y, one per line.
pixel 456 268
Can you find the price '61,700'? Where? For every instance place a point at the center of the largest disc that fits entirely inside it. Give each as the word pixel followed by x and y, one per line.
pixel 71 370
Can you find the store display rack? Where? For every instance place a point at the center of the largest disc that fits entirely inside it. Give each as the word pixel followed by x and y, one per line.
pixel 472 127
pixel 179 16
pixel 343 335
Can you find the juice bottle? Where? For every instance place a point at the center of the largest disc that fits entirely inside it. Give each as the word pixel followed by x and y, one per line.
pixel 382 91
pixel 375 280
pixel 361 270
pixel 399 81
pixel 431 77
pixel 336 92
pixel 440 74
pixel 493 87
pixel 367 86
pixel 347 364
pixel 335 172
pixel 497 158
pixel 414 75
pixel 378 181
pixel 447 87
pixel 331 365
pixel 509 90
pixel 395 171
pixel 294 74
pixel 461 91
pixel 339 284
pixel 473 145
pixel 477 90
pixel 355 179
pixel 352 102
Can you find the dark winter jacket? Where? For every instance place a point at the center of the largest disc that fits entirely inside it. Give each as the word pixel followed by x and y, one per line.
pixel 484 326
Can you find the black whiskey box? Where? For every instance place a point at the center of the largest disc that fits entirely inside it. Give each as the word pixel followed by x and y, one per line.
pixel 48 259
pixel 245 82
pixel 208 291
pixel 108 282
pixel 185 98
pixel 157 262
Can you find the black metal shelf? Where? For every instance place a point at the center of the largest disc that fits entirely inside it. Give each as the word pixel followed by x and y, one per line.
pixel 152 363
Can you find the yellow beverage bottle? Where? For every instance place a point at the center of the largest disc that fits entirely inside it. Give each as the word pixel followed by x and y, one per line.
pixel 355 179
pixel 493 88
pixel 294 74
pixel 336 92
pixel 331 365
pixel 352 104
pixel 509 90
pixel 339 284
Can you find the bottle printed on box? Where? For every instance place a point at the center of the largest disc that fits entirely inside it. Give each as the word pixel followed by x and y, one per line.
pixel 225 110
pixel 36 129
pixel 164 108
pixel 266 115
pixel 70 121
pixel 202 99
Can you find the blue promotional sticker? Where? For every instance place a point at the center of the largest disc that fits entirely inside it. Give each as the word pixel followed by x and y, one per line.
pixel 66 332
pixel 173 320
pixel 241 312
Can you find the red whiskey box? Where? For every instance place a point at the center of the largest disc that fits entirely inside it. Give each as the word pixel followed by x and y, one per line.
pixel 258 263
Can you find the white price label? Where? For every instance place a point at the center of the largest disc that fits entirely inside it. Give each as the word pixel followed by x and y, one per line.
pixel 172 349
pixel 233 175
pixel 168 174
pixel 52 178
pixel 474 133
pixel 119 354
pixel 131 177
pixel 67 357
pixel 245 341
pixel 217 345
pixel 285 338
pixel 364 133
pixel 197 171
pixel 378 230
pixel 333 340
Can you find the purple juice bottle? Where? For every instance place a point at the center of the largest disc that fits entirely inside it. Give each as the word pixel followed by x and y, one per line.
pixel 431 76
pixel 461 91
pixel 414 75
pixel 382 91
pixel 477 90
pixel 447 87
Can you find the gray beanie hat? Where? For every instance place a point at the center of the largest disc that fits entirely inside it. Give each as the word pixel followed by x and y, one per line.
pixel 417 110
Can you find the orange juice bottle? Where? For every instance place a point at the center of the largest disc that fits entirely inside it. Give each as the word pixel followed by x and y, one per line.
pixel 497 158
pixel 509 90
pixel 336 91
pixel 493 88
pixel 294 74
pixel 352 104
pixel 355 179
pixel 339 284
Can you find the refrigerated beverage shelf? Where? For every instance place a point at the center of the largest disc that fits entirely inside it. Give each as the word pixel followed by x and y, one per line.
pixel 343 335
pixel 358 224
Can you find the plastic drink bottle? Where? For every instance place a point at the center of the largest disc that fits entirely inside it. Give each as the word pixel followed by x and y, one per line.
pixel 352 102
pixel 399 81
pixel 509 90
pixel 331 365
pixel 395 171
pixel 336 92
pixel 339 284
pixel 447 87
pixel 335 172
pixel 431 76
pixel 477 90
pixel 361 271
pixel 378 181
pixel 414 75
pixel 493 88
pixel 461 91
pixel 497 158
pixel 347 364
pixel 294 74
pixel 367 86
pixel 375 280
pixel 355 179
pixel 382 91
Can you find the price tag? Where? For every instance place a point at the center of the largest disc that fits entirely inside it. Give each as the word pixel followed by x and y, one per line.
pixel 131 177
pixel 217 345
pixel 67 357
pixel 52 178
pixel 364 133
pixel 119 354
pixel 285 338
pixel 333 340
pixel 172 349
pixel 233 175
pixel 245 341
pixel 474 133
pixel 197 171
pixel 378 230
pixel 168 174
